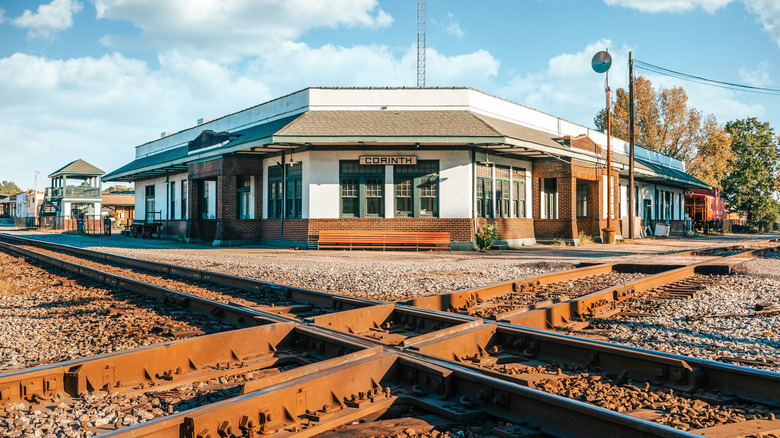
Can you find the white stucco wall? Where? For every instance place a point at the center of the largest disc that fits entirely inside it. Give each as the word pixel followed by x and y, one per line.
pixel 647 191
pixel 321 191
pixel 161 196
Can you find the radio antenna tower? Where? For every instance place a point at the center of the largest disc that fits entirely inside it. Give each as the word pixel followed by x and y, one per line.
pixel 421 43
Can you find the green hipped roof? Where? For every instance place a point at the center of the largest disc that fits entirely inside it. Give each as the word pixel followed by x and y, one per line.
pixel 78 167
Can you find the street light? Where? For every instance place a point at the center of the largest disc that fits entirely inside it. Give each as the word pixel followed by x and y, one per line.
pixel 601 63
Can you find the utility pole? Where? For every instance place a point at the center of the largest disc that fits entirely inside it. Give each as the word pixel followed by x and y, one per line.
pixel 421 43
pixel 631 200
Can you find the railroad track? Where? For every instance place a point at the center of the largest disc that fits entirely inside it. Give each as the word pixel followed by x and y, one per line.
pixel 310 362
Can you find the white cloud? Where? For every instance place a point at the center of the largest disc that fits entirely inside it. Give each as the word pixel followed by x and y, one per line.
pixel 453 27
pixel 99 108
pixel 230 30
pixel 759 77
pixel 768 14
pixel 569 88
pixel 50 18
pixel 670 5
pixel 767 11
pixel 3 19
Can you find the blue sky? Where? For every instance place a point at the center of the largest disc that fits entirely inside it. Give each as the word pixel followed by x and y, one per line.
pixel 92 79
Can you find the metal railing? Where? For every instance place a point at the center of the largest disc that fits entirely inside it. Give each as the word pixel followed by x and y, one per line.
pixel 73 192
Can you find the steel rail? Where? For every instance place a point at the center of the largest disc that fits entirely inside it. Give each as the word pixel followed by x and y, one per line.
pixel 585 306
pixel 312 404
pixel 534 339
pixel 725 370
pixel 461 299
pixel 315 297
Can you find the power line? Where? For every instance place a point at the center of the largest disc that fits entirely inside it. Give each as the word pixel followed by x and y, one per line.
pixel 705 81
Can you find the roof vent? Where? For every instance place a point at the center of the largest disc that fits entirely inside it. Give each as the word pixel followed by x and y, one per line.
pixel 166 133
pixel 203 120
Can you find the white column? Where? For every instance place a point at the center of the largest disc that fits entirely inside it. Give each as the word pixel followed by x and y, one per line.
pixel 389 192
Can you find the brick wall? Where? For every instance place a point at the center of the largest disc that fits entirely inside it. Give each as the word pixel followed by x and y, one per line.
pixel 508 228
pixel 568 225
pixel 555 228
pixel 225 171
pixel 174 227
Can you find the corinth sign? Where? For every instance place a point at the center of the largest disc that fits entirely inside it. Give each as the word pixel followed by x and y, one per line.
pixel 407 161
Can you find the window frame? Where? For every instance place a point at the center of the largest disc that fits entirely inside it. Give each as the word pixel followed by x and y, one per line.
pixel 581 199
pixel 420 179
pixel 518 193
pixel 293 196
pixel 204 198
pixel 172 194
pixel 149 192
pixel 484 174
pixel 363 177
pixel 550 198
pixel 243 197
pixel 275 192
pixel 184 198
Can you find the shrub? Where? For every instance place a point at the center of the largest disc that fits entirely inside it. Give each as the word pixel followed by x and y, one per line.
pixel 486 237
pixel 559 241
pixel 585 239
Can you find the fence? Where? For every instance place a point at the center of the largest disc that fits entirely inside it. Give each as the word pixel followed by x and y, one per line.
pixel 87 224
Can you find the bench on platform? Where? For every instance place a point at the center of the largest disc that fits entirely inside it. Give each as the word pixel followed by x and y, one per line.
pixel 146 229
pixel 417 240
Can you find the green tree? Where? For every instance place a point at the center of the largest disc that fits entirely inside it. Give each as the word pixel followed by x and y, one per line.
pixel 664 123
pixel 752 185
pixel 119 188
pixel 9 188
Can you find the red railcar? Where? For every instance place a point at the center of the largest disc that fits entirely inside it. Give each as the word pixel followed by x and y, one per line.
pixel 706 209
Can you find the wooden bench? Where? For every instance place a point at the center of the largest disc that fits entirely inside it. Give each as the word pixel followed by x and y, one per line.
pixel 346 239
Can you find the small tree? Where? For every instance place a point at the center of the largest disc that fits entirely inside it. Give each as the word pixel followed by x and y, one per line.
pixel 486 237
pixel 9 188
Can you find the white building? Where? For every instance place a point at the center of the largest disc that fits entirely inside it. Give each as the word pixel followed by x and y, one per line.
pixel 431 159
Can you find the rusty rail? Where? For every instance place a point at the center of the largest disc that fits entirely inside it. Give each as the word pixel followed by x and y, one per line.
pixel 313 404
pixel 437 361
pixel 599 302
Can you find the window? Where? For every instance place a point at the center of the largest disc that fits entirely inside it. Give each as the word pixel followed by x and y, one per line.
pixel 502 191
pixel 275 191
pixel 184 199
pixel 549 198
pixel 362 189
pixel 149 202
pixel 484 190
pixel 667 205
pixel 518 193
pixel 293 196
pixel 582 198
pixel 172 198
pixel 243 193
pixel 206 199
pixel 636 201
pixel 417 189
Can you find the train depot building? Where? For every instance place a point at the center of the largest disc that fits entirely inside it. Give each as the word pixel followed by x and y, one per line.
pixel 396 159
